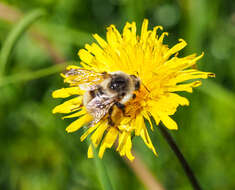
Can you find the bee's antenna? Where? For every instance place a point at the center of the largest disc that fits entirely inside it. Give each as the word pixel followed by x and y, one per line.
pixel 146 88
pixel 143 83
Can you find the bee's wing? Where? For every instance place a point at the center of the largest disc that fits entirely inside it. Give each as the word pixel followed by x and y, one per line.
pixel 90 86
pixel 99 106
pixel 86 79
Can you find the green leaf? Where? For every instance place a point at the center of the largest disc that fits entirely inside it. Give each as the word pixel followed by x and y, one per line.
pixel 31 75
pixel 15 35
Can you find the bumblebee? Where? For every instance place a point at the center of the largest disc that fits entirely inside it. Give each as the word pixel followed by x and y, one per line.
pixel 104 91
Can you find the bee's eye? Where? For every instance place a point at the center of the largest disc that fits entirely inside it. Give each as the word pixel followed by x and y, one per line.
pixel 136 81
pixel 137 85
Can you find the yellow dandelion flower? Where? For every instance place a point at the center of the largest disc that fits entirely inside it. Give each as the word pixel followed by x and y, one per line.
pixel 160 71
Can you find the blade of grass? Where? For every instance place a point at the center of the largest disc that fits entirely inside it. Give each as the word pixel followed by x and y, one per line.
pixel 101 170
pixel 31 75
pixel 35 32
pixel 44 32
pixel 15 35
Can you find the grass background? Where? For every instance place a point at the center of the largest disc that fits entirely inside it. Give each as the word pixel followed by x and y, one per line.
pixel 36 152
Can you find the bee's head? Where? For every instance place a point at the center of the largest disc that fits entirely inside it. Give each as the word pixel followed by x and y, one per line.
pixel 122 83
pixel 119 83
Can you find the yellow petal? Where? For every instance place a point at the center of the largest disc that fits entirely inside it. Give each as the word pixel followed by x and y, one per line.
pixel 66 92
pixel 128 147
pixel 121 142
pixel 145 136
pixel 162 37
pixel 86 66
pixel 167 121
pixel 69 67
pixel 77 114
pixel 144 31
pixel 154 32
pixel 98 134
pixel 155 117
pixel 166 104
pixel 113 35
pixel 147 116
pixel 185 87
pixel 191 62
pixel 89 131
pixel 192 75
pixel 108 141
pixel 85 56
pixel 76 125
pixel 129 33
pixel 139 124
pixel 178 99
pixel 100 40
pixel 175 48
pixel 90 153
pixel 68 106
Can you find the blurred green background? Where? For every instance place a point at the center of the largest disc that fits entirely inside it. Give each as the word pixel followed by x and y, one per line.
pixel 35 151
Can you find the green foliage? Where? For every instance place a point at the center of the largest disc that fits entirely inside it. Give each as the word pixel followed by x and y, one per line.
pixel 15 35
pixel 36 152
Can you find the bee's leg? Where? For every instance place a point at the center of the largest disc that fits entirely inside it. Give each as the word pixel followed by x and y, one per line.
pixel 133 96
pixel 110 121
pixel 121 107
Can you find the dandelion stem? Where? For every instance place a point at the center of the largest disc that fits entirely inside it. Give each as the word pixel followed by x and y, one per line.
pixel 15 35
pixel 180 156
